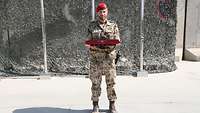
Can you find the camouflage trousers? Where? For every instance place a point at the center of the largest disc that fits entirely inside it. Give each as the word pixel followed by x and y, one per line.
pixel 102 64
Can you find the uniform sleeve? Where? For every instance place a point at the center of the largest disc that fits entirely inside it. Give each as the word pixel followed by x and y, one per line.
pixel 117 36
pixel 116 32
pixel 89 34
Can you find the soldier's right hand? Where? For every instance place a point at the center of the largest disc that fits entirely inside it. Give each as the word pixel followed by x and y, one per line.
pixel 88 46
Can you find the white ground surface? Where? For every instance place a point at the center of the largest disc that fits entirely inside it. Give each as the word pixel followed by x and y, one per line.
pixel 174 92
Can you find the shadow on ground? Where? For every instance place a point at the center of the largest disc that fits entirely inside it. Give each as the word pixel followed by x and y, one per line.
pixel 53 110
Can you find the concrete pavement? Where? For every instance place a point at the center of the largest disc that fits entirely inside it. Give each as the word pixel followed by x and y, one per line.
pixel 174 92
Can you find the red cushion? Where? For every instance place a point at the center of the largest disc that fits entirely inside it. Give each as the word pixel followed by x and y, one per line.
pixel 104 42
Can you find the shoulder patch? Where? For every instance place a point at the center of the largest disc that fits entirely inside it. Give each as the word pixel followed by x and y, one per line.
pixel 112 21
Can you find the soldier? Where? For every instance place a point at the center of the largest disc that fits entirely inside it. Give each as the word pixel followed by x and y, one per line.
pixel 102 58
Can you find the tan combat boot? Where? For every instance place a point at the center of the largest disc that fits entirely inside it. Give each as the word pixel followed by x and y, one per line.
pixel 112 108
pixel 95 107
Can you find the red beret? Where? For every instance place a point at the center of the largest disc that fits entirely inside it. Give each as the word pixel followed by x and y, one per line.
pixel 101 6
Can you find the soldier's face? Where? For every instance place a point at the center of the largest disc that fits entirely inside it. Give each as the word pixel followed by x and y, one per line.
pixel 103 14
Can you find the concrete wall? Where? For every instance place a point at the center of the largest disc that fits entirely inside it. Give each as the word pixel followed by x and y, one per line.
pixel 180 23
pixel 192 38
pixel 180 29
pixel 193 24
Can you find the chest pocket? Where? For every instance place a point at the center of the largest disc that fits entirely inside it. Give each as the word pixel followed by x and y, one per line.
pixel 96 33
pixel 109 32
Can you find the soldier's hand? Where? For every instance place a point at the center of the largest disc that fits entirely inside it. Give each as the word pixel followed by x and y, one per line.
pixel 88 46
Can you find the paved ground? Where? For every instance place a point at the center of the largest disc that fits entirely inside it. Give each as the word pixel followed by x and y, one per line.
pixel 174 92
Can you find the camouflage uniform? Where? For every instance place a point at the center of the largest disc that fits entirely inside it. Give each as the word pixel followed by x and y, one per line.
pixel 102 59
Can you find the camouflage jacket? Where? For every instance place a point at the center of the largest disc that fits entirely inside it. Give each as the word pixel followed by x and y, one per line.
pixel 103 31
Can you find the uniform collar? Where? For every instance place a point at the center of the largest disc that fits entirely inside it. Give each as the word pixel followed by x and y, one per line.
pixel 107 23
